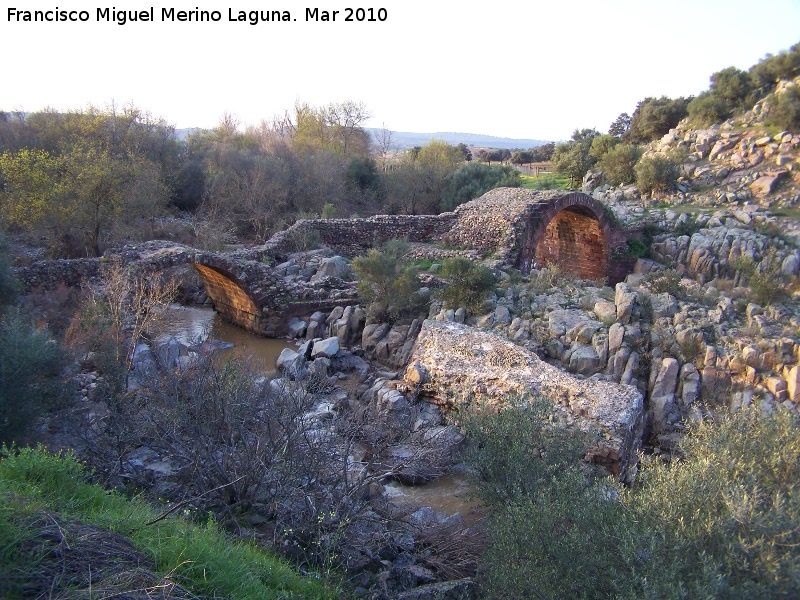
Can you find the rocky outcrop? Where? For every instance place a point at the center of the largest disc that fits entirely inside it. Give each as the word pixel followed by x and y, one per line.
pixel 462 362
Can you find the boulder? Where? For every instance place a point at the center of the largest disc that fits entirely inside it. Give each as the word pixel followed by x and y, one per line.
pixel 297 328
pixel 168 350
pixel 291 363
pixel 606 311
pixel 463 362
pixel 326 348
pixel 335 266
pixel 584 360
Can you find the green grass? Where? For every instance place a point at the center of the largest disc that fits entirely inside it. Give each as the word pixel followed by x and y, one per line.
pixel 204 559
pixel 546 181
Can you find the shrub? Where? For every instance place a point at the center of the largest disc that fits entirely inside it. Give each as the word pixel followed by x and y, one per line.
pixel 708 108
pixel 468 286
pixel 9 286
pixel 765 279
pixel 386 283
pixel 619 162
pixel 785 110
pixel 665 281
pixel 656 174
pixel 729 508
pixel 720 521
pixel 30 365
pixel 516 449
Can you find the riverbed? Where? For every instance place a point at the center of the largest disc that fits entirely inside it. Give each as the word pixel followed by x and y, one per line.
pixel 193 325
pixel 451 493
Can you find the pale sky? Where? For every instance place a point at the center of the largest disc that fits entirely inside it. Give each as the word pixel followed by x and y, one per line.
pixel 512 69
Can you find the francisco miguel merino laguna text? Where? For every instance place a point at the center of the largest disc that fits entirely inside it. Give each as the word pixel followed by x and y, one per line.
pixel 253 17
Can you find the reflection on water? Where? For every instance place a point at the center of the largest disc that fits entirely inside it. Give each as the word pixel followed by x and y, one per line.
pixel 451 493
pixel 192 325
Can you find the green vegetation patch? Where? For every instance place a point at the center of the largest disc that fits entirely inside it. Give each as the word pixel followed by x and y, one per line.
pixel 46 507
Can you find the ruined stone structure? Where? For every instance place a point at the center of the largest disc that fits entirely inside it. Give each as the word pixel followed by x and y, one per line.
pixel 519 227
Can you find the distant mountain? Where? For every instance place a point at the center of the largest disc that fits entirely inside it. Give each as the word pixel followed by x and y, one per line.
pixel 403 139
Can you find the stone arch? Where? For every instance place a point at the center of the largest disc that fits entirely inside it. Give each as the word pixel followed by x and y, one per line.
pixel 571 231
pixel 230 298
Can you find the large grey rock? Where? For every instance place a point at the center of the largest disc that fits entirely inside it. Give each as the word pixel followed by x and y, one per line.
pixel 463 362
pixel 326 348
pixel 664 305
pixel 168 350
pixel 662 398
pixel 291 363
pixel 297 328
pixel 584 360
pixel 606 311
pixel 335 266
pixel 625 299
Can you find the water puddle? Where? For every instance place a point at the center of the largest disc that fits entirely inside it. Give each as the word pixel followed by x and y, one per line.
pixel 193 325
pixel 451 493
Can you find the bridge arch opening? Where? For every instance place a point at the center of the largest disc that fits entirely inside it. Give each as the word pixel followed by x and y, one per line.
pixel 229 299
pixel 574 239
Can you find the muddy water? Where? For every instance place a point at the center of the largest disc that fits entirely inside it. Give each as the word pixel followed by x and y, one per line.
pixel 192 325
pixel 451 493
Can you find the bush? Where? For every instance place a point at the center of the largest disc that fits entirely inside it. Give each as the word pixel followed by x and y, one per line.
pixel 708 108
pixel 515 450
pixel 9 286
pixel 656 174
pixel 665 281
pixel 720 521
pixel 468 284
pixel 30 365
pixel 729 508
pixel 619 162
pixel 388 285
pixel 765 278
pixel 785 110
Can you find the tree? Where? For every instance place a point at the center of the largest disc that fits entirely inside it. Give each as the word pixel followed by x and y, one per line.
pixel 619 163
pixel 708 108
pixel 602 144
pixel 572 158
pixel 543 153
pixel 620 125
pixel 733 86
pixel 383 144
pixel 772 68
pixel 417 184
pixel 654 117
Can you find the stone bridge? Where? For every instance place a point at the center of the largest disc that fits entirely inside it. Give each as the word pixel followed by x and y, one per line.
pixel 519 227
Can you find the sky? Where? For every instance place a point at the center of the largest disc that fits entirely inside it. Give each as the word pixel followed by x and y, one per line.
pixel 535 70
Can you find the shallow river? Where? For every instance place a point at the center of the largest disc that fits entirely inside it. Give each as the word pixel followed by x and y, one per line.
pixel 192 325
